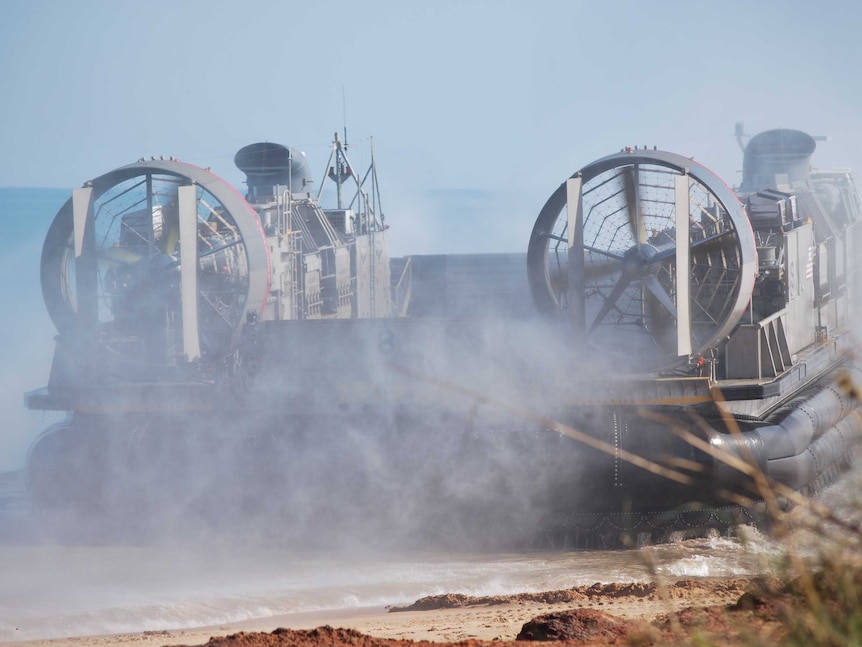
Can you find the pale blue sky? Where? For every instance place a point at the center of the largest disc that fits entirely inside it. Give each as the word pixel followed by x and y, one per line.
pixel 498 96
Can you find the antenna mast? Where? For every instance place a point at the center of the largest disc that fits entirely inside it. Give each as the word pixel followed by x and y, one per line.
pixel 344 113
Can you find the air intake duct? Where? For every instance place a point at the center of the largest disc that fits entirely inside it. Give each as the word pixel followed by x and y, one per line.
pixel 268 165
pixel 776 157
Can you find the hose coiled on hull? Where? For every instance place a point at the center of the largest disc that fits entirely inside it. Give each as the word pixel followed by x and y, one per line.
pixel 815 435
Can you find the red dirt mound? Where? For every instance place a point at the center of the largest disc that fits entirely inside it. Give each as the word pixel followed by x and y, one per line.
pixel 577 624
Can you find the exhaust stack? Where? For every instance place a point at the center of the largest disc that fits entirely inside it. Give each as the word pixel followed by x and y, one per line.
pixel 777 159
pixel 267 165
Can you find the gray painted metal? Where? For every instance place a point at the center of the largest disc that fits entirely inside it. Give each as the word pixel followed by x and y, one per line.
pixel 189 270
pixel 683 266
pixel 576 257
pixel 469 286
pixel 334 368
pixel 815 433
pixel 777 157
pixel 60 237
pixel 82 212
pixel 549 298
pixel 85 259
pixel 267 165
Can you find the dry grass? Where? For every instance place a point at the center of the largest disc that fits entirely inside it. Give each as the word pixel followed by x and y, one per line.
pixel 816 597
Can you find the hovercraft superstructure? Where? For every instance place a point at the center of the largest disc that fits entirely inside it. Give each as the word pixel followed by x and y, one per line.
pixel 651 296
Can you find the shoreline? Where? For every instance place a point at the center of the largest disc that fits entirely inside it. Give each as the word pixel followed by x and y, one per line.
pixel 483 619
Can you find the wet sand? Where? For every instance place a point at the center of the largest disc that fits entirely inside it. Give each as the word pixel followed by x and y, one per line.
pixel 453 618
pixel 483 619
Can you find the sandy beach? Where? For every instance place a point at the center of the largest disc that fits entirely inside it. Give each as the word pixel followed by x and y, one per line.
pixel 662 605
pixel 449 618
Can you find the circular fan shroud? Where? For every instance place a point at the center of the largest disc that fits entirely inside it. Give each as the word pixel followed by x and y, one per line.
pixel 624 298
pixel 137 263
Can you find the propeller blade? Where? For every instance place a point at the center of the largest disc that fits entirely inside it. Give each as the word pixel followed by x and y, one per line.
pixel 170 236
pixel 188 232
pixel 655 288
pixel 631 179
pixel 600 269
pixel 164 207
pixel 724 240
pixel 611 301
pixel 559 281
pixel 659 319
pixel 594 271
pixel 718 241
pixel 683 266
pixel 119 255
pixel 603 252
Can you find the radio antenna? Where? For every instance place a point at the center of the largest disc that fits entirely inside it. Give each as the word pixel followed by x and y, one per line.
pixel 344 112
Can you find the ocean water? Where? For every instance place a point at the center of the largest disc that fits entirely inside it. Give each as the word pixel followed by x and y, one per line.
pixel 62 591
pixel 26 331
